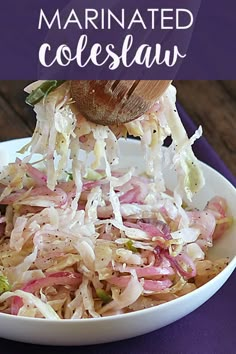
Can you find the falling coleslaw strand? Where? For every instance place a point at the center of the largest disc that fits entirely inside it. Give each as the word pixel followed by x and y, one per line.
pixel 82 238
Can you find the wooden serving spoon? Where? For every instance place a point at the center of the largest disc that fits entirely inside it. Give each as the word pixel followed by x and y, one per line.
pixel 114 102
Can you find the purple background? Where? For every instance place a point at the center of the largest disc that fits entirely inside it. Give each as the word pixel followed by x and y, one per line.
pixel 211 47
pixel 211 55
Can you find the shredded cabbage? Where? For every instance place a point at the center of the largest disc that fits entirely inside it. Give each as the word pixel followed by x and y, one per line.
pixel 82 237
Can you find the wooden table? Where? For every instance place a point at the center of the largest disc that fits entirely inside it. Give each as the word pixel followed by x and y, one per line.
pixel 210 103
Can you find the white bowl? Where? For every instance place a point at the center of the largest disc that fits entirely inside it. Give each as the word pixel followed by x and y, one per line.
pixel 108 329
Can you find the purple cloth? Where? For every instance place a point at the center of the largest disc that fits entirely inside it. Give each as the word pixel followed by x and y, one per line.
pixel 208 330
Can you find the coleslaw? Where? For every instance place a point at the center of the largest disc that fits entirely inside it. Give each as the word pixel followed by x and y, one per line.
pixel 82 238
